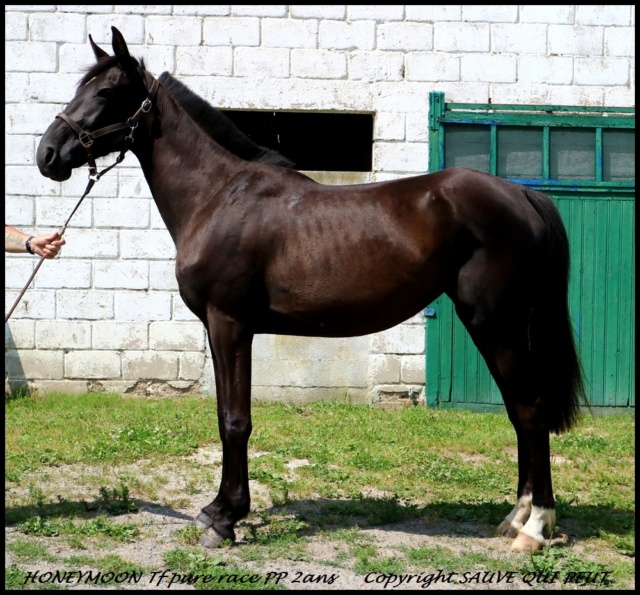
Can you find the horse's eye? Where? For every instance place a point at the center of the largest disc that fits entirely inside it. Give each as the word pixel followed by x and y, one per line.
pixel 104 93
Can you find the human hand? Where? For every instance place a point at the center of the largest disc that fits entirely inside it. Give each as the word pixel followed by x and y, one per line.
pixel 47 245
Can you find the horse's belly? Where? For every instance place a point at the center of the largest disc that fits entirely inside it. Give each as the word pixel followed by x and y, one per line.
pixel 338 312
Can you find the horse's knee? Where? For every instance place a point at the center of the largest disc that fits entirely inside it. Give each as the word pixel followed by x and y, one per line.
pixel 236 428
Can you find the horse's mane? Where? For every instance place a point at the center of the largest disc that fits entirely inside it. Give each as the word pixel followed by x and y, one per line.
pixel 218 126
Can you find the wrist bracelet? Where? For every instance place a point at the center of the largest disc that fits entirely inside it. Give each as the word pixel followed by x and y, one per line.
pixel 28 246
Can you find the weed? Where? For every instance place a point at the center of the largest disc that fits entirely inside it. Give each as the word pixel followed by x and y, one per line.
pixel 626 545
pixel 116 500
pixel 190 560
pixel 177 502
pixel 189 535
pixel 76 542
pixel 193 487
pixel 101 526
pixel 79 560
pixel 36 496
pixel 38 526
pixel 274 530
pixel 437 556
pixel 279 496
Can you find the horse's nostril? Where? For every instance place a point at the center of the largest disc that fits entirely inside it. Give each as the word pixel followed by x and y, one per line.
pixel 49 156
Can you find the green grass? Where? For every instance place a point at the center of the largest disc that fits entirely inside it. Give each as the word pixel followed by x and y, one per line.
pixel 14 578
pixel 101 428
pixel 423 465
pixel 98 526
pixel 368 561
pixel 29 551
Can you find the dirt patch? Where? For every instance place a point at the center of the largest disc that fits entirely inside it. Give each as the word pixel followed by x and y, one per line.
pixel 334 557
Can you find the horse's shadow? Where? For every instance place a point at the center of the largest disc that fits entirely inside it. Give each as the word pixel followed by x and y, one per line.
pixel 450 518
pixel 72 509
pixel 323 515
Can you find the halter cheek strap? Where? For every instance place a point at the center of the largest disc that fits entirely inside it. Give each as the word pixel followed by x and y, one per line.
pixel 87 138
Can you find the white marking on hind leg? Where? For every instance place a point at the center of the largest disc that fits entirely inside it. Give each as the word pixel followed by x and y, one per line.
pixel 540 523
pixel 516 519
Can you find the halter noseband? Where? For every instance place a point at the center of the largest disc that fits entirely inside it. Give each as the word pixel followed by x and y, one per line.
pixel 87 138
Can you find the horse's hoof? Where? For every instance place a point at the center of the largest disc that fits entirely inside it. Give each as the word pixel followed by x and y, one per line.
pixel 526 544
pixel 202 521
pixel 212 539
pixel 507 529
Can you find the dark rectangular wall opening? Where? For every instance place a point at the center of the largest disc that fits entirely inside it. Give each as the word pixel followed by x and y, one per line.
pixel 313 141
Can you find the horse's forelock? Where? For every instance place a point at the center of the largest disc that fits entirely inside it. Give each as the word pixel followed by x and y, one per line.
pixel 105 64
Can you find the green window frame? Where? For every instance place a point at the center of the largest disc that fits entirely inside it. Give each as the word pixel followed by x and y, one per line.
pixel 594 127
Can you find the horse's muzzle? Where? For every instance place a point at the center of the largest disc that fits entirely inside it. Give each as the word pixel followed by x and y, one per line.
pixel 50 163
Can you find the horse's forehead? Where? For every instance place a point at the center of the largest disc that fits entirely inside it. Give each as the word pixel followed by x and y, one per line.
pixel 99 71
pixel 111 75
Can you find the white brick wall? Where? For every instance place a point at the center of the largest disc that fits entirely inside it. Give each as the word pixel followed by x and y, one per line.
pixel 107 313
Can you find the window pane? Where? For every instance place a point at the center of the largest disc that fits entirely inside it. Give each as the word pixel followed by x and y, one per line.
pixel 520 152
pixel 619 155
pixel 467 145
pixel 572 154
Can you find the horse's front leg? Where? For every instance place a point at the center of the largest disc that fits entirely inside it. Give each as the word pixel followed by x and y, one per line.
pixel 231 350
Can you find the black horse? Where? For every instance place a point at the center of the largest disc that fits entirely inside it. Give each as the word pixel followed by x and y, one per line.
pixel 262 248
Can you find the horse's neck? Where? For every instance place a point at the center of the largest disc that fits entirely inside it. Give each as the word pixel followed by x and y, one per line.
pixel 183 166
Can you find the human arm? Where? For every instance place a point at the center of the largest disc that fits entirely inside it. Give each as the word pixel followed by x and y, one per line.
pixel 45 245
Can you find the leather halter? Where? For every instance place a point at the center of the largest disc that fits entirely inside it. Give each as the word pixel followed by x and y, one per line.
pixel 87 138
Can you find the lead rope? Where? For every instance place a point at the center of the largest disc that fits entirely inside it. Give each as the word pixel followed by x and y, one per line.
pixel 94 176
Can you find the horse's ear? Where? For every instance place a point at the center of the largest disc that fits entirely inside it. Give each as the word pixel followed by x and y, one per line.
pixel 120 48
pixel 126 61
pixel 98 52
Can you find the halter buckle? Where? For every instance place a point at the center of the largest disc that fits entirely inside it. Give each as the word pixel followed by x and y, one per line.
pixel 146 105
pixel 85 139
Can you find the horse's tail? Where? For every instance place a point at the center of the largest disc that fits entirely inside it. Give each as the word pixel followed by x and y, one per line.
pixel 551 334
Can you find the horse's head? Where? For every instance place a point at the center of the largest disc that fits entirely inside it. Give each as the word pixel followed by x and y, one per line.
pixel 110 93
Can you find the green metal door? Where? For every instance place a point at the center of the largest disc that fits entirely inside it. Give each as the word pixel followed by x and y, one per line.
pixel 586 163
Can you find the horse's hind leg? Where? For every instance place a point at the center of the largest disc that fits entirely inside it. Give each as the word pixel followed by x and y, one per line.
pixel 500 331
pixel 533 516
pixel 506 352
pixel 231 351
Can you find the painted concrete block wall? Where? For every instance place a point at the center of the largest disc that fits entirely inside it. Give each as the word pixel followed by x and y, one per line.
pixel 107 315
